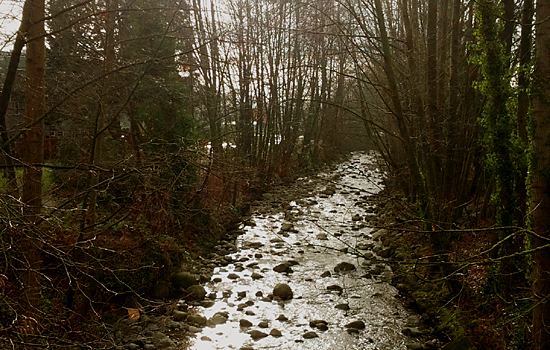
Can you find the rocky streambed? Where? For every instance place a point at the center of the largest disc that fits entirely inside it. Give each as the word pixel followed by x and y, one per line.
pixel 306 270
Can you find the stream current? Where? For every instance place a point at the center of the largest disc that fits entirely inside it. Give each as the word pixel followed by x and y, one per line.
pixel 313 226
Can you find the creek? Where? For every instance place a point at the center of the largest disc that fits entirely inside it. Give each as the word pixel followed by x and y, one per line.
pixel 320 233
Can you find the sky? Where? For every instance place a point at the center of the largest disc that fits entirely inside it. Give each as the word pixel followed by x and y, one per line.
pixel 10 12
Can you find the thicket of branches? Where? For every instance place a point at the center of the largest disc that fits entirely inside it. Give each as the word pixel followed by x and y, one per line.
pixel 145 122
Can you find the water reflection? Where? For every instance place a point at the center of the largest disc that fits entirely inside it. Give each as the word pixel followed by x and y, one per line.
pixel 324 224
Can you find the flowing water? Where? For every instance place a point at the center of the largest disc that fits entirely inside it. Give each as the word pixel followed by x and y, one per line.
pixel 324 224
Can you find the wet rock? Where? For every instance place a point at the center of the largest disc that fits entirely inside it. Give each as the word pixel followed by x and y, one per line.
pixel 217 280
pixel 344 307
pixel 245 323
pixel 249 313
pixel 319 324
pixel 196 292
pixel 183 280
pixel 310 335
pixel 322 237
pixel 256 276
pixel 283 291
pixel 282 318
pixel 259 293
pixel 326 274
pixel 275 333
pixel 412 332
pixel 378 234
pixel 205 338
pixel 196 319
pixel 207 303
pixel 276 240
pixel 233 276
pixel 219 318
pixel 284 267
pixel 162 341
pixel 335 288
pixel 255 334
pixel 193 329
pixel 356 217
pixel 356 325
pixel 263 324
pixel 179 315
pixel 172 324
pixel 246 348
pixel 364 246
pixel 253 245
pixel 241 294
pixel 344 267
pixel 286 227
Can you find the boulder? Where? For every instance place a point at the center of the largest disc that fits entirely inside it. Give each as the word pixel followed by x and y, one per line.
pixel 196 292
pixel 255 334
pixel 179 315
pixel 344 266
pixel 286 227
pixel 322 236
pixel 335 288
pixel 284 267
pixel 283 291
pixel 356 325
pixel 319 324
pixel 344 307
pixel 219 318
pixel 197 320
pixel 256 276
pixel 310 335
pixel 183 280
pixel 245 323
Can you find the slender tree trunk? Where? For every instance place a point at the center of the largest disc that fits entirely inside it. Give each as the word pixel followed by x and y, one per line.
pixel 432 102
pixel 540 186
pixel 33 157
pixel 523 99
pixel 396 103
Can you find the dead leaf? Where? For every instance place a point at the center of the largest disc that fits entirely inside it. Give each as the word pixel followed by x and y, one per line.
pixel 133 314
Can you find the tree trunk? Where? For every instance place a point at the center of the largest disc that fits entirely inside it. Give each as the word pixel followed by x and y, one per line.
pixel 103 108
pixel 523 99
pixel 396 103
pixel 540 185
pixel 33 157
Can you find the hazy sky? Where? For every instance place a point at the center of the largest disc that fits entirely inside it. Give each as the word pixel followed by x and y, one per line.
pixel 10 12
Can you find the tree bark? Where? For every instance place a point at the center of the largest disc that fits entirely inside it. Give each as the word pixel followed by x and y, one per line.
pixel 33 157
pixel 540 185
